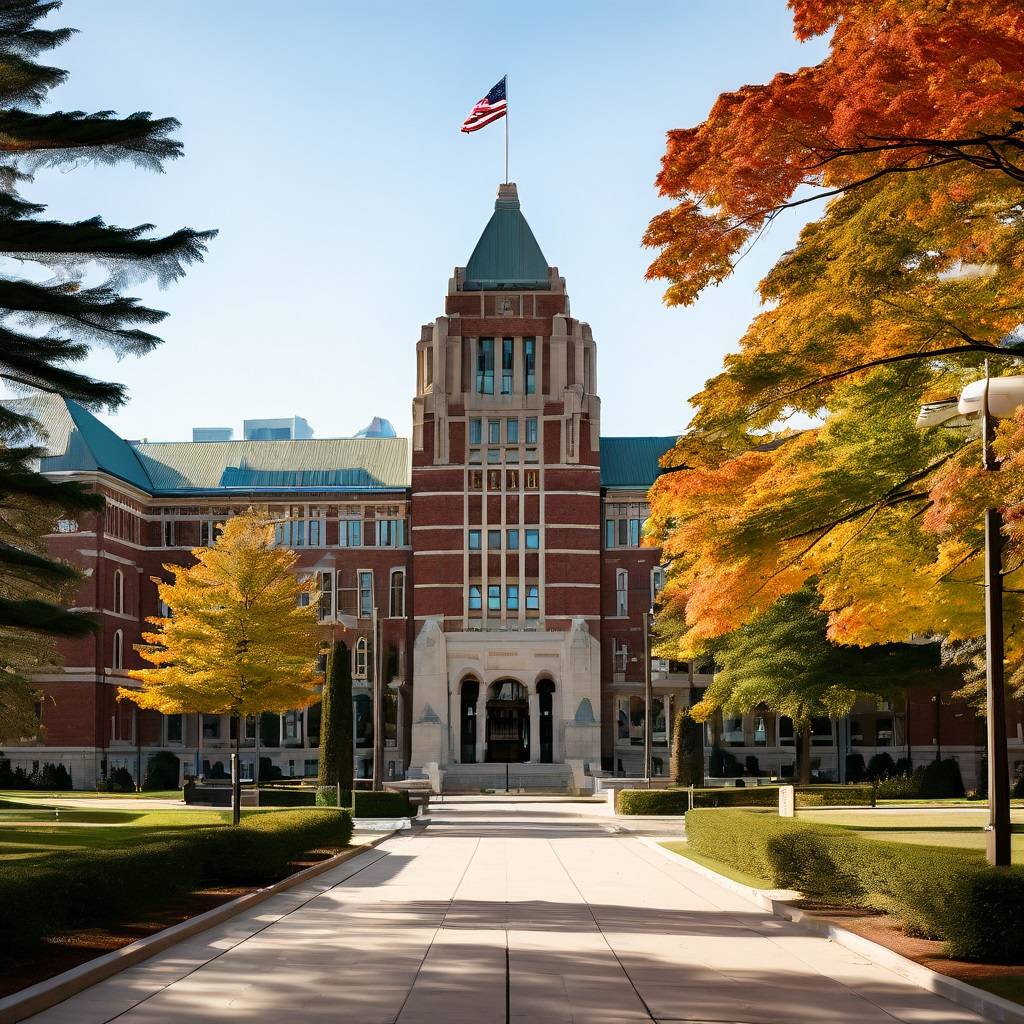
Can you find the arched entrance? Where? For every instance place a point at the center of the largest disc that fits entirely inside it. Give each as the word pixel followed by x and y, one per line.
pixel 508 722
pixel 546 710
pixel 467 721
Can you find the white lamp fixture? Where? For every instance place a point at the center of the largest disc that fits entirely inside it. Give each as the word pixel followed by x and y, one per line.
pixel 1005 396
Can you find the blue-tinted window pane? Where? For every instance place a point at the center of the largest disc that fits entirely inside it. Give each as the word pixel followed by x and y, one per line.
pixel 485 367
pixel 507 357
pixel 512 598
pixel 474 599
pixel 513 540
pixel 533 598
pixel 475 431
pixel 532 540
pixel 494 431
pixel 494 540
pixel 609 533
pixel 531 430
pixel 474 540
pixel 512 431
pixel 494 598
pixel 530 365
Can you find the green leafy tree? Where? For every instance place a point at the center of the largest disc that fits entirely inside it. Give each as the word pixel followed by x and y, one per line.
pixel 51 314
pixel 336 752
pixel 782 660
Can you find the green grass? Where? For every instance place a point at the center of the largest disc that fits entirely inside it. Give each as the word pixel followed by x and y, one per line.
pixel 681 850
pixel 1009 986
pixel 27 834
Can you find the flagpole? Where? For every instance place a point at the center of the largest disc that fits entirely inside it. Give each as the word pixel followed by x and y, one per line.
pixel 506 129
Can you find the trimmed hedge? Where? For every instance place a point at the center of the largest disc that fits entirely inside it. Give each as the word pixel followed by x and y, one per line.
pixel 652 801
pixel 99 887
pixel 834 796
pixel 287 797
pixel 381 804
pixel 938 892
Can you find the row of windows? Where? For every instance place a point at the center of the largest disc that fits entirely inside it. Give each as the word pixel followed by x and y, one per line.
pixel 511 432
pixel 511 477
pixel 476 597
pixel 304 533
pixel 485 366
pixel 359 601
pixel 531 540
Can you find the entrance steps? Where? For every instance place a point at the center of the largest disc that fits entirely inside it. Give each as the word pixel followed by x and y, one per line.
pixel 536 778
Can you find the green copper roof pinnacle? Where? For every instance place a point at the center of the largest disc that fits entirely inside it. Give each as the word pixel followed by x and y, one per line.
pixel 507 255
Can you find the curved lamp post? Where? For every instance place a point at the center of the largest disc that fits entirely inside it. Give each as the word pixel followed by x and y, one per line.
pixel 991 399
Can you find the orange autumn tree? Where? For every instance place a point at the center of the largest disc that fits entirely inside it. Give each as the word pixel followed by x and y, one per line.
pixel 237 641
pixel 911 128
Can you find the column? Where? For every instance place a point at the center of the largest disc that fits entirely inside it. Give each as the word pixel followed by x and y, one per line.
pixel 481 724
pixel 534 701
pixel 454 727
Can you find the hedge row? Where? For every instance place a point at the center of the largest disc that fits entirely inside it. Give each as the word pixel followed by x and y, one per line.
pixel 937 892
pixel 101 887
pixel 676 801
pixel 381 804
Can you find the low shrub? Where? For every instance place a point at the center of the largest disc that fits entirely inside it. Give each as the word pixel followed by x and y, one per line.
pixel 90 887
pixel 855 767
pixel 941 779
pixel 287 797
pixel 118 781
pixel 742 796
pixel 938 892
pixel 652 801
pixel 269 772
pixel 722 764
pixel 900 787
pixel 51 777
pixel 327 796
pixel 834 796
pixel 1018 787
pixel 381 804
pixel 163 771
pixel 881 766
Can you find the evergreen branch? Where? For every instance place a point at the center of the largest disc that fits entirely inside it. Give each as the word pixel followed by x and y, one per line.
pixel 41 617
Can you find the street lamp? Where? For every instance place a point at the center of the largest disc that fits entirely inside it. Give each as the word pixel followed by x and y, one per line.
pixel 992 399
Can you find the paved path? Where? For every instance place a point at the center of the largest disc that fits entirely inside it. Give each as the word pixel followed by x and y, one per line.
pixel 507 912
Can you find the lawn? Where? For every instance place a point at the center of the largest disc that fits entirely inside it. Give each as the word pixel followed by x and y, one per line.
pixel 33 833
pixel 681 850
pixel 87 794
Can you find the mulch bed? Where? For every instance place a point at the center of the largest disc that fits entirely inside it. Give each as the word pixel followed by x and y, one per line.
pixel 62 952
pixel 887 931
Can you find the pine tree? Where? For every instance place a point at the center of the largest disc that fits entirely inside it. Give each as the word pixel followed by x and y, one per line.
pixel 49 323
pixel 336 752
pixel 237 642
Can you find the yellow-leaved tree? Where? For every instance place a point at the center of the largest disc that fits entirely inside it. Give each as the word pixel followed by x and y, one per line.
pixel 237 641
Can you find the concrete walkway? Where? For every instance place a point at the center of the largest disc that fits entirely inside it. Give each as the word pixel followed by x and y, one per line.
pixel 507 912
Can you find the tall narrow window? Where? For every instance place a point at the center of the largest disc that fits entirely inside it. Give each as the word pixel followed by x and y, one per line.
pixel 532 598
pixel 621 592
pixel 359 659
pixel 350 533
pixel 365 594
pixel 390 533
pixel 117 655
pixel 485 367
pixel 513 540
pixel 325 584
pixel 397 593
pixel 475 598
pixel 168 533
pixel 507 356
pixel 494 431
pixel 512 431
pixel 119 592
pixel 531 429
pixel 474 540
pixel 512 597
pixel 529 365
pixel 609 533
pixel 475 431
pixel 494 598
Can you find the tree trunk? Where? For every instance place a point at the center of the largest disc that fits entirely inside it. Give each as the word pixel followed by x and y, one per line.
pixel 236 773
pixel 803 758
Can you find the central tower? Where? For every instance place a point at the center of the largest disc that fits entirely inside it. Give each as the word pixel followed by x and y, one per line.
pixel 506 514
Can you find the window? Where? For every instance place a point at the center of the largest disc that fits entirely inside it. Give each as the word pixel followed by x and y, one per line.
pixel 533 597
pixel 350 533
pixel 209 531
pixel 365 594
pixel 475 431
pixel 821 732
pixel 512 598
pixel 211 727
pixel 117 656
pixel 485 367
pixel 620 655
pixel 512 541
pixel 624 524
pixel 494 598
pixel 494 455
pixel 621 592
pixel 293 727
pixel 119 592
pixel 657 582
pixel 512 431
pixel 325 585
pixel 494 431
pixel 163 609
pixel 494 540
pixel 529 365
pixel 531 479
pixel 532 539
pixel 359 659
pixel 168 533
pixel 494 479
pixel 298 533
pixel 397 593
pixel 511 479
pixel 476 479
pixel 67 526
pixel 475 600
pixel 531 429
pixel 390 533
pixel 474 540
pixel 173 729
pixel 609 533
pixel 507 356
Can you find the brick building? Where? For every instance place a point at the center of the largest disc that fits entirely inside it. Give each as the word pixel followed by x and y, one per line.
pixel 496 556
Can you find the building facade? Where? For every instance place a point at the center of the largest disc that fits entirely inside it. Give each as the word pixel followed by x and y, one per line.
pixel 491 568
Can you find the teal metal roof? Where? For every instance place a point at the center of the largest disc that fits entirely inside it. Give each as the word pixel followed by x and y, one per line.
pixel 632 461
pixel 78 442
pixel 507 255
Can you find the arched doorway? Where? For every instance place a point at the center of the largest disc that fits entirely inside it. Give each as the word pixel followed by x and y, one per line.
pixel 546 708
pixel 467 721
pixel 508 722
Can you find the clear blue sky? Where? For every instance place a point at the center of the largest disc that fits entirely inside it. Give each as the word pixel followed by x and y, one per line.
pixel 322 140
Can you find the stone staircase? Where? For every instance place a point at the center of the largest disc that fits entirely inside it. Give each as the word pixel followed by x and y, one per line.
pixel 535 778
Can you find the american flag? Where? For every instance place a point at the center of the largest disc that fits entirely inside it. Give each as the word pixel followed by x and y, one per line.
pixel 489 109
